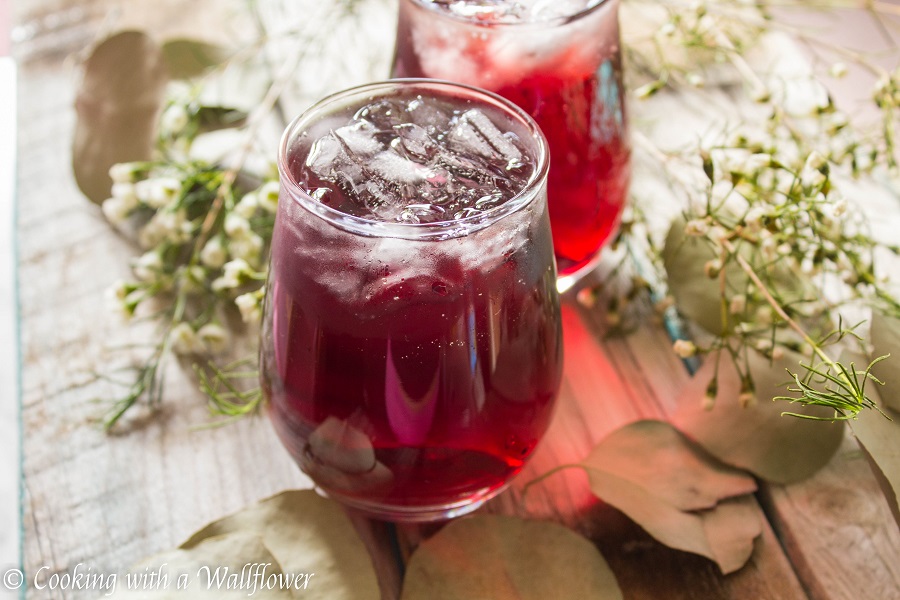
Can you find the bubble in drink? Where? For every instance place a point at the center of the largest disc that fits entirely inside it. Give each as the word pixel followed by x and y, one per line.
pixel 416 161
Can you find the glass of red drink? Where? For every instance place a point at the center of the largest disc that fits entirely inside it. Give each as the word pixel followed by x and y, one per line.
pixel 411 343
pixel 560 60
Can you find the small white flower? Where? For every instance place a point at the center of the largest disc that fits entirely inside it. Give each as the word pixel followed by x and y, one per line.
pixel 213 254
pixel 684 348
pixel 840 208
pixel 114 210
pixel 249 305
pixel 174 119
pixel 246 206
pixel 668 29
pixel 125 192
pixel 764 315
pixel 696 80
pixel 115 297
pixel 267 196
pixel 863 159
pixel 838 70
pixel 647 90
pixel 760 94
pixel 738 304
pixel 214 338
pixel 185 340
pixel 122 172
pixel 836 121
pixel 158 192
pixel 881 85
pixel 718 234
pixel 165 225
pixel 236 225
pixel 148 266
pixel 810 178
pixel 754 218
pixel 696 228
pixel 816 161
pixel 712 268
pixel 247 246
pixel 232 275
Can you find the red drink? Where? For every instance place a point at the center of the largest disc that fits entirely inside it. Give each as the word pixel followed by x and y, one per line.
pixel 560 61
pixel 411 347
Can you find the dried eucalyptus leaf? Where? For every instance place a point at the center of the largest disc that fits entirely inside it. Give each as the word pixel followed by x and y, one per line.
pixel 655 456
pixel 307 534
pixel 880 440
pixel 191 58
pixel 757 438
pixel 117 107
pixel 498 557
pixel 696 295
pixel 699 298
pixel 215 568
pixel 885 338
pixel 675 493
pixel 728 529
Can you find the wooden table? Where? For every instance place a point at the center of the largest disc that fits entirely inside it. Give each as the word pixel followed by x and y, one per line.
pixel 107 501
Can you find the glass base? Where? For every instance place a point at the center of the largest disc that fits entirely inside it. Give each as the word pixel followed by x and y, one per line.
pixel 417 514
pixel 565 281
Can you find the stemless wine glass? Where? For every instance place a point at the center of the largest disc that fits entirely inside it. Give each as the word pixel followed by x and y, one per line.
pixel 411 343
pixel 560 60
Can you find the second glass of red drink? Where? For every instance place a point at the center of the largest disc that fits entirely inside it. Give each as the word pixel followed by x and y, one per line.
pixel 560 60
pixel 411 345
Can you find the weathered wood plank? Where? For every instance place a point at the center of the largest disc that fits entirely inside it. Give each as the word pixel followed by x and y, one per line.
pixel 838 529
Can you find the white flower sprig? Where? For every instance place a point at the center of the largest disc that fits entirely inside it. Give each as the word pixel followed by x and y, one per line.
pixel 193 269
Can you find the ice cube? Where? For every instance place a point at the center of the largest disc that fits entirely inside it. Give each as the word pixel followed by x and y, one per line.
pixel 383 115
pixel 416 161
pixel 396 169
pixel 414 139
pixel 493 11
pixel 359 138
pixel 477 134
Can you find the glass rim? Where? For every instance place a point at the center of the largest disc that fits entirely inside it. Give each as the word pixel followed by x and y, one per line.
pixel 434 230
pixel 552 21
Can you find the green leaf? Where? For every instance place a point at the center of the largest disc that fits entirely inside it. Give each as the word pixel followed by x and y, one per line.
pixel 191 58
pixel 680 496
pixel 757 438
pixel 117 107
pixel 307 534
pixel 492 556
pixel 214 118
pixel 885 338
pixel 180 574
